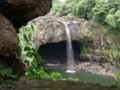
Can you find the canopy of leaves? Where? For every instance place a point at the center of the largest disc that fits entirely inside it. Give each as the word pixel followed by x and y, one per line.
pixel 103 11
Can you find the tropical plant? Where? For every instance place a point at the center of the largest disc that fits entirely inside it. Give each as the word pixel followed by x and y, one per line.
pixel 30 55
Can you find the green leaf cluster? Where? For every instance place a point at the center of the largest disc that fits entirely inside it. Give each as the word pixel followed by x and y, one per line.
pixel 7 74
pixel 56 76
pixel 36 72
pixel 83 8
pixel 117 77
pixel 113 18
pixel 30 55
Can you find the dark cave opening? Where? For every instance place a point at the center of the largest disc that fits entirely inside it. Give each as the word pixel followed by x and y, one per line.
pixel 56 52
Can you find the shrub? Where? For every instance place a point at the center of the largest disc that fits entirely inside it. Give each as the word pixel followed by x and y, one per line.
pixel 83 8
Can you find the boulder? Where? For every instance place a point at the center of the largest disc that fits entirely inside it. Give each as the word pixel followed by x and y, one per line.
pixel 17 13
pixel 21 11
pixel 14 14
pixel 52 29
pixel 8 37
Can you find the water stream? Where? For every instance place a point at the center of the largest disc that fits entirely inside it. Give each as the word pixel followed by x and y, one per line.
pixel 70 54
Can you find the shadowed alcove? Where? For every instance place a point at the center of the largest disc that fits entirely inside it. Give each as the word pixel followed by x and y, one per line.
pixel 56 52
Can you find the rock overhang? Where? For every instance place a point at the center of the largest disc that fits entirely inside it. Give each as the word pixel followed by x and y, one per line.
pixel 52 29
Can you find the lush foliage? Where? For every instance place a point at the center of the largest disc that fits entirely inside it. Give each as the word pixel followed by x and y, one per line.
pixel 7 75
pixel 30 56
pixel 103 11
pixel 83 8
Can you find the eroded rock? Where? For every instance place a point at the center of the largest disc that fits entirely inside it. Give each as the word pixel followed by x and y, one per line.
pixel 52 29
pixel 8 37
pixel 20 12
pixel 16 13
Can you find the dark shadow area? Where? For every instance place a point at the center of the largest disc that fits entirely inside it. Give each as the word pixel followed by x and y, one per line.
pixel 56 52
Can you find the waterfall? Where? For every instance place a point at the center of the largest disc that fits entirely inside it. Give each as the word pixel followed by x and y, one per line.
pixel 70 54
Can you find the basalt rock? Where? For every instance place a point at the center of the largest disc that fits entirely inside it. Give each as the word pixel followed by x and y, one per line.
pixel 21 11
pixel 52 29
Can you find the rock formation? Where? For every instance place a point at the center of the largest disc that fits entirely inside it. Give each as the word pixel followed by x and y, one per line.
pixel 52 29
pixel 8 37
pixel 14 14
pixel 19 12
pixel 96 52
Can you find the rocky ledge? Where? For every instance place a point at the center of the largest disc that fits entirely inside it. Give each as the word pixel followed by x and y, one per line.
pixel 47 84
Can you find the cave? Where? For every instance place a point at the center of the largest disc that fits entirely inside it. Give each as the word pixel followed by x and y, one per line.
pixel 56 52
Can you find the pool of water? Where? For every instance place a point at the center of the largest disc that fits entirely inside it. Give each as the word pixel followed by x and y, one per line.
pixel 89 77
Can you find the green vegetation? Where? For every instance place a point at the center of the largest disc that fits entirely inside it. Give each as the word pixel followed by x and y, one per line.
pixel 7 74
pixel 31 57
pixel 103 11
pixel 103 51
pixel 106 33
pixel 117 77
pixel 108 40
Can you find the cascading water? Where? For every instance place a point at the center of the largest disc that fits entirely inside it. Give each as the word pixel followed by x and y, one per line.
pixel 70 55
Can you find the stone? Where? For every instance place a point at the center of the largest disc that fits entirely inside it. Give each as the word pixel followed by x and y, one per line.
pixel 14 14
pixel 47 84
pixel 52 29
pixel 19 12
pixel 8 37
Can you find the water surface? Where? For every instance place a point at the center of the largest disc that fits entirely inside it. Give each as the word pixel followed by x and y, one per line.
pixel 89 77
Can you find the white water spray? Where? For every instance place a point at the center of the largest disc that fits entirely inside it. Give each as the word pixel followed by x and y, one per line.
pixel 70 55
